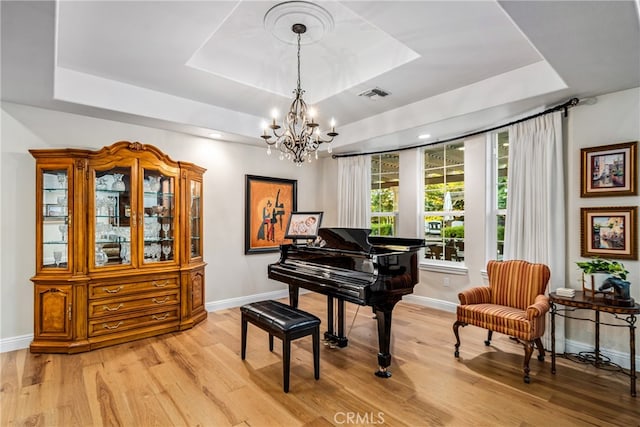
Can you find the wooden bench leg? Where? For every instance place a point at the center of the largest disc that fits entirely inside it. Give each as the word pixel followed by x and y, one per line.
pixel 243 349
pixel 286 362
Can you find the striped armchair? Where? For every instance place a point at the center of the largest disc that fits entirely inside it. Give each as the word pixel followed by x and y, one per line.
pixel 513 304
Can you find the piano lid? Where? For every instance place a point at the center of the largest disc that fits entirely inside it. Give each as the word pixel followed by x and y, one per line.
pixel 349 239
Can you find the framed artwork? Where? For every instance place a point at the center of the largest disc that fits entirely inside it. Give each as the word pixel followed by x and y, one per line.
pixel 303 225
pixel 269 203
pixel 610 232
pixel 609 170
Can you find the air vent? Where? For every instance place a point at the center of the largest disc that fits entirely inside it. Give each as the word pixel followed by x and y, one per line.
pixel 375 93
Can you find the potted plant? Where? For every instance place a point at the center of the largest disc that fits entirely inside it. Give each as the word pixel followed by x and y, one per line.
pixel 597 265
pixel 600 270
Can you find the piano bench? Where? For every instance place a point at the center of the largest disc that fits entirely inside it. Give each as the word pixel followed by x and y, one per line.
pixel 287 323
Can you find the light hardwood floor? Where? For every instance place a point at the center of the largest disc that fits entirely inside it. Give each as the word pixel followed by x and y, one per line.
pixel 196 378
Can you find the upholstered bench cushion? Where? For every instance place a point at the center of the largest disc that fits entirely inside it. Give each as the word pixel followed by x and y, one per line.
pixel 278 316
pixel 499 318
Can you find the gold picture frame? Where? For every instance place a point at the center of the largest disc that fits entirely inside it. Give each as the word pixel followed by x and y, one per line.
pixel 609 170
pixel 609 232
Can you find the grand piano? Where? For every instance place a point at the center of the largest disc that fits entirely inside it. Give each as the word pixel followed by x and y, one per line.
pixel 347 264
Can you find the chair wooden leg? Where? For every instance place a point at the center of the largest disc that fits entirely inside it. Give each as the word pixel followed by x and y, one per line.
pixel 456 325
pixel 540 349
pixel 489 336
pixel 528 350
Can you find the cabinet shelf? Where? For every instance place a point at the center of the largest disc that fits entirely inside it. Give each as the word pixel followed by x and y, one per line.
pixel 123 250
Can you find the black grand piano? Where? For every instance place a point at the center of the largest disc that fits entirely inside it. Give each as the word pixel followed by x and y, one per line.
pixel 347 264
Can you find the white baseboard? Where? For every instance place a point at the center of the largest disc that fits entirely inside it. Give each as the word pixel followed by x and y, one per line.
pixel 431 303
pixel 240 301
pixel 15 343
pixel 617 357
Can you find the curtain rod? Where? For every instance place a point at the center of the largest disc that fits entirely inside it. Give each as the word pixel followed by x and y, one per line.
pixel 565 106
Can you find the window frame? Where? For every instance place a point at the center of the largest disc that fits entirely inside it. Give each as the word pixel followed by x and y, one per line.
pixel 492 208
pixel 395 214
pixel 430 264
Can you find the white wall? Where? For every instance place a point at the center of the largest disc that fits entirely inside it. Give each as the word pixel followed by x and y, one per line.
pixel 613 119
pixel 229 274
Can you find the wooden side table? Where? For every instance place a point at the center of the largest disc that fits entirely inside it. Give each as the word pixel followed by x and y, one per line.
pixel 595 303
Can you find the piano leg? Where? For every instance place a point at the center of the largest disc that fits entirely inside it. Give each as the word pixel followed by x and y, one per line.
pixel 339 340
pixel 293 296
pixel 383 316
pixel 341 320
pixel 329 334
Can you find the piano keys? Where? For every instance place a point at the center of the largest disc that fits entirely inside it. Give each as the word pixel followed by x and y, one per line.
pixel 346 264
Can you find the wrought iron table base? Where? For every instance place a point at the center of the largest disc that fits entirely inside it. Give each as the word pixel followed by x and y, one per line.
pixel 580 301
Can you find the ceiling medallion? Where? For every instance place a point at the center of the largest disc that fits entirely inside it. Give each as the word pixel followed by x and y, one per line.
pixel 280 18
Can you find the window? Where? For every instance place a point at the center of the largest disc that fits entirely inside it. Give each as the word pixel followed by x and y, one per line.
pixel 500 152
pixel 385 185
pixel 444 202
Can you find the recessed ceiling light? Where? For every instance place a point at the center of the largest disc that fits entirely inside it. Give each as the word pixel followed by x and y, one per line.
pixel 214 135
pixel 424 136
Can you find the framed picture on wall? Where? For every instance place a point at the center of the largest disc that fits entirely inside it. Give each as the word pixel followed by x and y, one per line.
pixel 610 232
pixel 269 203
pixel 609 170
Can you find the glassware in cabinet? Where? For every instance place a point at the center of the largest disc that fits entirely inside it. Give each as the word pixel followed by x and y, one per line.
pixel 55 219
pixel 112 217
pixel 159 213
pixel 195 224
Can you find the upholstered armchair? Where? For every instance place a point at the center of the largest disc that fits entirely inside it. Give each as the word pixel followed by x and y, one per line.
pixel 513 304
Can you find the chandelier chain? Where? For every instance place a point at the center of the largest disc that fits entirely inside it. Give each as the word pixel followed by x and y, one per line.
pixel 298 62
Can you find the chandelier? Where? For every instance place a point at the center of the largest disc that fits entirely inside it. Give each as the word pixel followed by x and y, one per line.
pixel 300 136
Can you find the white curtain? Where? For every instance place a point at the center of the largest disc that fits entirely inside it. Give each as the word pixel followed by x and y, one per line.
pixel 535 223
pixel 354 187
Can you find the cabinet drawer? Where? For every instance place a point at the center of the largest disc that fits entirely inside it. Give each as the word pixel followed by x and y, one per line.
pixel 112 325
pixel 103 290
pixel 114 306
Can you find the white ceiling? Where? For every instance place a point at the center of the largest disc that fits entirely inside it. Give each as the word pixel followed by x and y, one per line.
pixel 451 67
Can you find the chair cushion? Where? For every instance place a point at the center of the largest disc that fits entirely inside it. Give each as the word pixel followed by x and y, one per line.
pixel 516 283
pixel 279 316
pixel 502 319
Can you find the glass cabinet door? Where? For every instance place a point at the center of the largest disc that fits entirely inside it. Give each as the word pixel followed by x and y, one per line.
pixel 195 224
pixel 113 217
pixel 55 219
pixel 159 216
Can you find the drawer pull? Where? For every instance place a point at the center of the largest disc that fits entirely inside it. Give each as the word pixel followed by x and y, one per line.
pixel 164 316
pixel 107 308
pixel 113 291
pixel 116 326
pixel 160 285
pixel 157 301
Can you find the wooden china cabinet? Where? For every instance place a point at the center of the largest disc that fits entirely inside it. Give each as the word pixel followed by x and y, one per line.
pixel 118 246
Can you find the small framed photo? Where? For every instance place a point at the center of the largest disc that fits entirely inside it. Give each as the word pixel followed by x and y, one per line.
pixel 610 232
pixel 609 170
pixel 303 225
